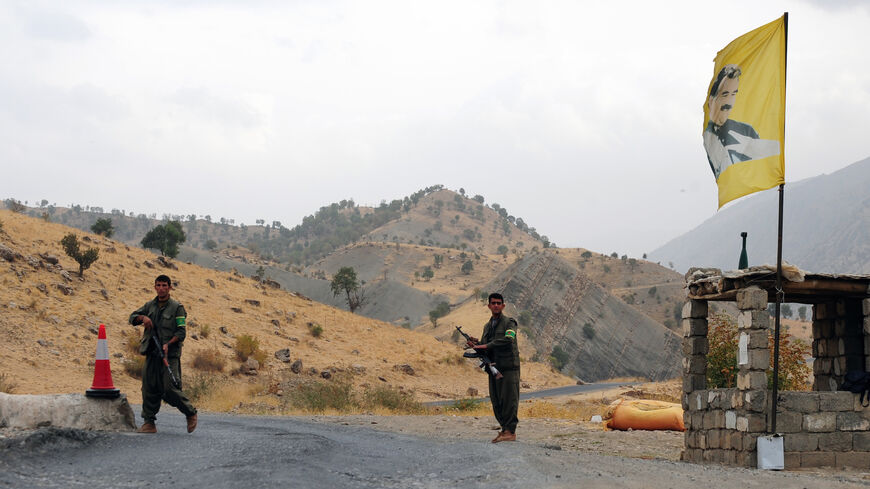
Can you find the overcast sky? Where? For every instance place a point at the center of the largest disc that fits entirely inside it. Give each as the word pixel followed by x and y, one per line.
pixel 583 118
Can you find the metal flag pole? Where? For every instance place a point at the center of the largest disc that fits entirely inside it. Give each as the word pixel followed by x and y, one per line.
pixel 779 293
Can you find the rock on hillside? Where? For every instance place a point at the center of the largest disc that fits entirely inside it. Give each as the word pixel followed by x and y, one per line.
pixel 601 336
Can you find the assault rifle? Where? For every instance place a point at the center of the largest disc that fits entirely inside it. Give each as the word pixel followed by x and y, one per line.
pixel 485 362
pixel 162 356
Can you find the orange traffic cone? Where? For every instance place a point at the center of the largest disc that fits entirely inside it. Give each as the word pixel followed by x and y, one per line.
pixel 102 386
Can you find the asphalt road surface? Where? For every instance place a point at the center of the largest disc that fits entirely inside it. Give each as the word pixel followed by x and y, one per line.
pixel 556 391
pixel 253 452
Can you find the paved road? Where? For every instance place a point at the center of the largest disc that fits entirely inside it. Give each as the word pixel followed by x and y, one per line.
pixel 253 452
pixel 556 391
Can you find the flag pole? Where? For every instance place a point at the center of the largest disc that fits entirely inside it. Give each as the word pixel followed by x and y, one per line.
pixel 779 292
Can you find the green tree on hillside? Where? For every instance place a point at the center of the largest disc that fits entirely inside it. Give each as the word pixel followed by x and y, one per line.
pixel 345 281
pixel 428 274
pixel 467 267
pixel 15 206
pixel 103 226
pixel 165 238
pixel 85 259
pixel 441 310
pixel 558 358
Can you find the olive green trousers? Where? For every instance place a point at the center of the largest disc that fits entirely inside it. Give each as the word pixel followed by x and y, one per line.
pixel 157 386
pixel 505 397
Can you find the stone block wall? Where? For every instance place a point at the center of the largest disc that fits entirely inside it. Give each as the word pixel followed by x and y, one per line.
pixel 819 429
pixel 722 425
pixel 825 427
pixel 839 341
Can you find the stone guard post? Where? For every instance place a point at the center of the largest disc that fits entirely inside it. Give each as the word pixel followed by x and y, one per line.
pixel 722 425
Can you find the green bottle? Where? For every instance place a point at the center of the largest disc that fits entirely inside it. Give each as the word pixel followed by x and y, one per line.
pixel 744 260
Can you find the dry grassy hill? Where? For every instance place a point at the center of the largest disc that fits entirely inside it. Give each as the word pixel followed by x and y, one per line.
pixel 447 219
pixel 50 317
pixel 405 263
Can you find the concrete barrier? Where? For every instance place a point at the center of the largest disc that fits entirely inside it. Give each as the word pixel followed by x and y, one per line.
pixel 24 411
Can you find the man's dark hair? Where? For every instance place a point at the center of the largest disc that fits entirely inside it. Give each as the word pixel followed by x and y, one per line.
pixel 163 278
pixel 496 296
pixel 727 71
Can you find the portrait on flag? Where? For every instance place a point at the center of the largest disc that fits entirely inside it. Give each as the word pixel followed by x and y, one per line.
pixel 744 113
pixel 728 141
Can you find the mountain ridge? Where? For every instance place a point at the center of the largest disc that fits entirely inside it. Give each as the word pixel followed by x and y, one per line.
pixel 826 227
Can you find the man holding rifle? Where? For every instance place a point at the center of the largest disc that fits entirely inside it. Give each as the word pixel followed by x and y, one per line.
pixel 499 342
pixel 164 320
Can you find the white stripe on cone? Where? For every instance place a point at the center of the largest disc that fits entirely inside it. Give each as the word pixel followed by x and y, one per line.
pixel 102 350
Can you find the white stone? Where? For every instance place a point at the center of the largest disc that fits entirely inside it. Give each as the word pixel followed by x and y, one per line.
pixel 730 420
pixel 743 349
pixel 742 423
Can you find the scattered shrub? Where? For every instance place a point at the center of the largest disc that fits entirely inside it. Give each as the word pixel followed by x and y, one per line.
pixel 6 384
pixel 455 359
pixel 134 365
pixel 315 329
pixel 393 399
pixel 558 358
pixel 131 344
pixel 318 396
pixel 209 360
pixel 465 404
pixel 199 386
pixel 588 331
pixel 204 331
pixel 249 347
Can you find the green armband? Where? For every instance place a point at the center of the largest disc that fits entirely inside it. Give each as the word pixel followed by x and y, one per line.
pixel 510 334
pixel 179 321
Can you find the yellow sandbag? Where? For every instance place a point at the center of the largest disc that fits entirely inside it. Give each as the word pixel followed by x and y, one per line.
pixel 645 415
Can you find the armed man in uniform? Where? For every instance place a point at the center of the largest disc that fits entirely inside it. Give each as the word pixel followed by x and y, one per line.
pixel 499 341
pixel 169 317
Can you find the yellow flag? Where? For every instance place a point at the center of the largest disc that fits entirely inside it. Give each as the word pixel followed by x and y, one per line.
pixel 744 113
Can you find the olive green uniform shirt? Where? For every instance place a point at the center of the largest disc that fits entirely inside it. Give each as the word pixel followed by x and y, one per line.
pixel 170 321
pixel 500 337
